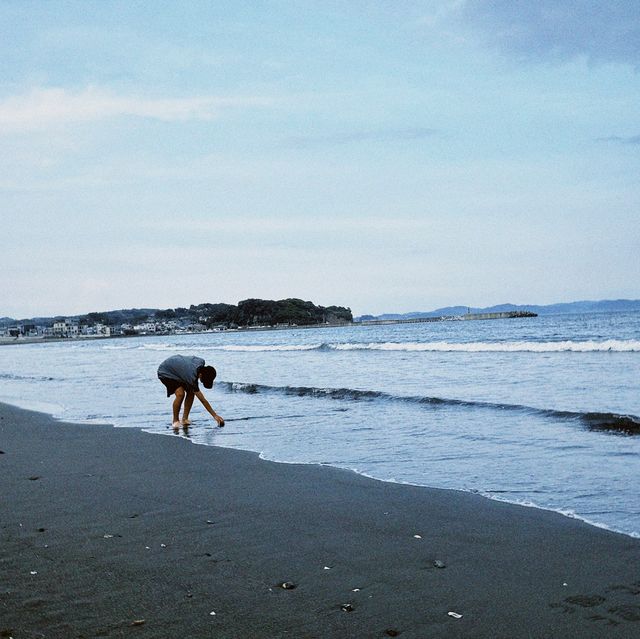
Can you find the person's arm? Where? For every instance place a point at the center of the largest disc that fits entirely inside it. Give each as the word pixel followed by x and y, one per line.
pixel 207 405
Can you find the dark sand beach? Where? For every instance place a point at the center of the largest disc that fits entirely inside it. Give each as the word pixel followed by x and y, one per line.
pixel 110 532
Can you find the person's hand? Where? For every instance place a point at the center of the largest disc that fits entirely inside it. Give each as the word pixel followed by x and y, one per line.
pixel 219 420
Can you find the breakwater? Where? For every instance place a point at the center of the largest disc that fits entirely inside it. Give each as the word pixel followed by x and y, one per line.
pixel 452 318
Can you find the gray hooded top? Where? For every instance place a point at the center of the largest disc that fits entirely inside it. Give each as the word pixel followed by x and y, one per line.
pixel 182 369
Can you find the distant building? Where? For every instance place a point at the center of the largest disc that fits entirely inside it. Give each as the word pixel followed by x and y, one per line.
pixel 146 327
pixel 102 330
pixel 66 328
pixel 29 330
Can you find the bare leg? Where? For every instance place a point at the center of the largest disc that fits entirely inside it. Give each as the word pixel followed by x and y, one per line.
pixel 177 403
pixel 188 403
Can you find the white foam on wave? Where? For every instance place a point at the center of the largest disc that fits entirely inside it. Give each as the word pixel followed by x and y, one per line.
pixel 241 348
pixel 566 512
pixel 588 346
pixel 268 348
pixel 612 345
pixel 158 347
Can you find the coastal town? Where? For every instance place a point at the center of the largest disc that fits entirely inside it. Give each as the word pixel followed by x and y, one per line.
pixel 251 314
pixel 73 328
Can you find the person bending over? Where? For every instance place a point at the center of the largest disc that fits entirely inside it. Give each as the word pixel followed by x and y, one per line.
pixel 180 375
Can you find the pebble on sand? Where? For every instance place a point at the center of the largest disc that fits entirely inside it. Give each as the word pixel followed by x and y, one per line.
pixel 439 564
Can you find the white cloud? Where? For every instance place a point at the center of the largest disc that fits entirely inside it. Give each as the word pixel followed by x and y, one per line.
pixel 42 108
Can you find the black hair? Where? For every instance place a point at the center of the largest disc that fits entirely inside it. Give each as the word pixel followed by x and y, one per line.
pixel 207 375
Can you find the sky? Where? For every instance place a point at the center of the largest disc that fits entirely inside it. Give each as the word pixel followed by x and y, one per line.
pixel 382 155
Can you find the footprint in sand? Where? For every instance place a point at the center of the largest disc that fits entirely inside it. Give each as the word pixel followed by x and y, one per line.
pixel 622 605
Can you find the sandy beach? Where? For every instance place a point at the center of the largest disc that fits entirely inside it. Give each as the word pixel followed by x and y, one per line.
pixel 109 532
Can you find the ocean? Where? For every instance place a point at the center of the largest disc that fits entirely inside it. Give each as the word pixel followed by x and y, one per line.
pixel 537 411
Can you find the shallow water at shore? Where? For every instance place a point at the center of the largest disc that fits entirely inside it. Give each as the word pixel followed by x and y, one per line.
pixel 540 411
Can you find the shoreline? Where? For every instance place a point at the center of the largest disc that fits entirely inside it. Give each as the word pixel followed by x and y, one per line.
pixel 120 526
pixel 45 409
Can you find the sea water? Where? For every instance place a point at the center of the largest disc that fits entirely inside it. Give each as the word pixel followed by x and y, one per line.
pixel 539 411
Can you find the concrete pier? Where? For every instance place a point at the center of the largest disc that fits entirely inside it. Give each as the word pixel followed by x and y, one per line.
pixel 453 318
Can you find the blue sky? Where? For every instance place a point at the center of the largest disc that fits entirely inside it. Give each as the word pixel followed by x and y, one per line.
pixel 387 156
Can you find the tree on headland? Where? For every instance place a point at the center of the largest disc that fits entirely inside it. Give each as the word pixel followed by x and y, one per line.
pixel 292 311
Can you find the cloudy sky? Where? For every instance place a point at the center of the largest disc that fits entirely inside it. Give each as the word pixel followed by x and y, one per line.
pixel 383 155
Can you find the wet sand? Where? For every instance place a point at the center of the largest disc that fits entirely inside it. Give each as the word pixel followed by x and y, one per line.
pixel 110 532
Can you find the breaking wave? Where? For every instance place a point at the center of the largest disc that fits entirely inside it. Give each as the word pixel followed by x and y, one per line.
pixel 247 348
pixel 625 424
pixel 500 347
pixel 589 346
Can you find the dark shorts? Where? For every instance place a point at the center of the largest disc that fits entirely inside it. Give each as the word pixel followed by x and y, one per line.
pixel 171 384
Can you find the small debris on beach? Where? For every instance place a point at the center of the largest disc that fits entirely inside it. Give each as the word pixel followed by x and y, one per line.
pixel 41 529
pixel 356 590
pixel 455 615
pixel 33 572
pixel 327 568
pixel 347 607
pixel 133 516
pixel 108 536
pixel 287 585
pixel 34 477
pixel 137 622
pixel 390 632
pixel 1 452
pixel 163 545
pixel 210 522
pixel 417 536
pixel 212 613
pixel 439 564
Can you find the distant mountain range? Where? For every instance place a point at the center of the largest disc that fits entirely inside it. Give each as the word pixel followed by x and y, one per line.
pixel 587 306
